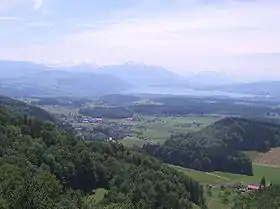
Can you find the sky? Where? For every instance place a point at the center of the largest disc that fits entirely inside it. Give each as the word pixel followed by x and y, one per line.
pixel 235 37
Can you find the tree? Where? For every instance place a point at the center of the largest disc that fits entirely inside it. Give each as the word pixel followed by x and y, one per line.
pixel 43 166
pixel 263 183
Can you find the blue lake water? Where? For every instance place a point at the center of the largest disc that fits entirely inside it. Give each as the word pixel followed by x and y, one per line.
pixel 184 91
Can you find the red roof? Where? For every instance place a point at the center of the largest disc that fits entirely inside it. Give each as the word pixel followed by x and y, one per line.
pixel 253 187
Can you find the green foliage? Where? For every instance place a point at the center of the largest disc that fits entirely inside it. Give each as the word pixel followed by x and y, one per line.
pixel 263 183
pixel 118 100
pixel 44 167
pixel 183 105
pixel 218 146
pixel 107 112
pixel 268 198
pixel 20 108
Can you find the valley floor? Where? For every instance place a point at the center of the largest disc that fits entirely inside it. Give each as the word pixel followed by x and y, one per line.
pixel 220 198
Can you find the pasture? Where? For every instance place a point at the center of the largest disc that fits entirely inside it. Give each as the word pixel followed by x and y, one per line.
pixel 131 141
pixel 217 198
pixel 270 173
pixel 159 129
pixel 57 109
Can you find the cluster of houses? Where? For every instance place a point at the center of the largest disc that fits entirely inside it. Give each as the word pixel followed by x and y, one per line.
pixel 240 187
pixel 251 187
pixel 80 119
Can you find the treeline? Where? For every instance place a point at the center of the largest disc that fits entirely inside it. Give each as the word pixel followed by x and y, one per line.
pixel 117 99
pixel 20 108
pixel 43 167
pixel 65 102
pixel 185 105
pixel 219 146
pixel 107 112
pixel 178 106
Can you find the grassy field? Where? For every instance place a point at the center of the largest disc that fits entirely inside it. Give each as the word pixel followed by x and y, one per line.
pixel 99 194
pixel 270 173
pixel 131 141
pixel 159 129
pixel 56 109
pixel 202 177
pixel 221 199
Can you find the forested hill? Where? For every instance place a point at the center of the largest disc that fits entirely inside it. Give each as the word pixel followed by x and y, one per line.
pixel 42 167
pixel 242 134
pixel 218 146
pixel 20 108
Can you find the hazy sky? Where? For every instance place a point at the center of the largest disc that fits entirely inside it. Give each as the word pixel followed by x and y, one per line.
pixel 238 37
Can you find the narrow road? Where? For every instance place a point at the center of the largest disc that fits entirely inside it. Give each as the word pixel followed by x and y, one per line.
pixel 221 177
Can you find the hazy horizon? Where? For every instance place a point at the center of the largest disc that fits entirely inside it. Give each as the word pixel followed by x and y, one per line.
pixel 237 38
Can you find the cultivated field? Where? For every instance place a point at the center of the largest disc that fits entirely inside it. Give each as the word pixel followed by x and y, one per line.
pixel 56 109
pixel 131 141
pixel 159 129
pixel 270 158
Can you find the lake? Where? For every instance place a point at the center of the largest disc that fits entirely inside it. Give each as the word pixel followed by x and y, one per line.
pixel 184 91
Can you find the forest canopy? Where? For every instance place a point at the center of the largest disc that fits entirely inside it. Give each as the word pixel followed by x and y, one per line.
pixel 42 166
pixel 219 146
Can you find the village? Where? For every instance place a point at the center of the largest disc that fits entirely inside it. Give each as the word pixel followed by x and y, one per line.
pixel 99 129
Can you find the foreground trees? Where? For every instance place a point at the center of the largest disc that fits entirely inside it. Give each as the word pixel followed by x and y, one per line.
pixel 44 167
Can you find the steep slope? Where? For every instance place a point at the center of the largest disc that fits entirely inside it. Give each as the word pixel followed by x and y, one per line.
pixel 143 75
pixel 242 134
pixel 20 108
pixel 218 146
pixel 43 167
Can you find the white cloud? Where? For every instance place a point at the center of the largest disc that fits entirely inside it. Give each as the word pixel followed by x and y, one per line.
pixel 202 38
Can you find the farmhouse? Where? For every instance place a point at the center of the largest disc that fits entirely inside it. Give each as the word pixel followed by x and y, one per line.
pixel 254 187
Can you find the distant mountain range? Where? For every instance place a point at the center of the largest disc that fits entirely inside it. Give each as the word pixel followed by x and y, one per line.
pixel 208 79
pixel 23 79
pixel 143 75
pixel 26 79
pixel 263 88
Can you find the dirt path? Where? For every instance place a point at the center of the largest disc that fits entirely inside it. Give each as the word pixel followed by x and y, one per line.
pixel 221 177
pixel 266 165
pixel 209 203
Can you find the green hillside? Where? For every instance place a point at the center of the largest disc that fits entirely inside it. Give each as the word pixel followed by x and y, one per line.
pixel 20 108
pixel 218 147
pixel 43 167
